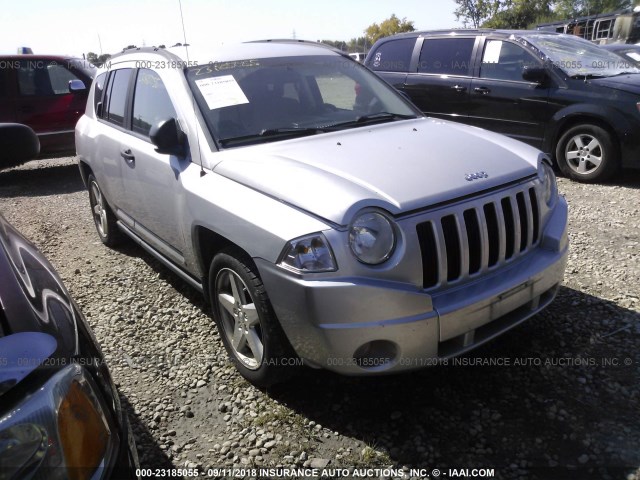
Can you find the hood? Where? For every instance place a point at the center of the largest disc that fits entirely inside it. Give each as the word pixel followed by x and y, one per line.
pixel 400 166
pixel 32 296
pixel 627 83
pixel 37 316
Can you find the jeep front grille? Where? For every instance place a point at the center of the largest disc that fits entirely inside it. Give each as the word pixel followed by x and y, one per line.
pixel 462 243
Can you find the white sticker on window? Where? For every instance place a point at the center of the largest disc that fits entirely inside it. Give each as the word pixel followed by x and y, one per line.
pixel 221 91
pixel 492 52
pixel 634 55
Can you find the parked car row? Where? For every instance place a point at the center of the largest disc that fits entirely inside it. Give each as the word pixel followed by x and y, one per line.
pixel 321 213
pixel 567 96
pixel 48 93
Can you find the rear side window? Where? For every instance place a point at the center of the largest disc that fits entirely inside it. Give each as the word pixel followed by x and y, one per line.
pixel 505 60
pixel 117 97
pixel 446 56
pixel 43 78
pixel 99 89
pixel 151 102
pixel 393 56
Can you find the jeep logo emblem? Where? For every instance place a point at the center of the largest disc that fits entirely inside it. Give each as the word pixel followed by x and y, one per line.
pixel 470 177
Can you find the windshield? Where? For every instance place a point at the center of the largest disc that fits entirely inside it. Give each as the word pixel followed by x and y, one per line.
pixel 577 57
pixel 267 99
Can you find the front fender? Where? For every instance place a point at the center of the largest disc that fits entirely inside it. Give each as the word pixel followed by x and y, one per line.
pixel 583 113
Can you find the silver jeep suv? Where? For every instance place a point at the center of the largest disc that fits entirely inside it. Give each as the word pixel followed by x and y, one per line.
pixel 321 214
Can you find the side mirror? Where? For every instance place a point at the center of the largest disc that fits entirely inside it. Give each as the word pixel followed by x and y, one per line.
pixel 167 137
pixel 18 144
pixel 534 74
pixel 76 86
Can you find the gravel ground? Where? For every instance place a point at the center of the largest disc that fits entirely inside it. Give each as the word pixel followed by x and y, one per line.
pixel 563 402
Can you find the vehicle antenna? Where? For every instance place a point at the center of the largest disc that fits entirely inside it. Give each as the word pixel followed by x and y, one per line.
pixel 193 100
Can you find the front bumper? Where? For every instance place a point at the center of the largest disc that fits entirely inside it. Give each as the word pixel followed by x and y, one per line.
pixel 359 326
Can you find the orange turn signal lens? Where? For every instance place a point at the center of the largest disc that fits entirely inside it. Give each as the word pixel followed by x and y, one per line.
pixel 83 433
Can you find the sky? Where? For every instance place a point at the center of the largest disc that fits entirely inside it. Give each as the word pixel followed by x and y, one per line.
pixel 73 27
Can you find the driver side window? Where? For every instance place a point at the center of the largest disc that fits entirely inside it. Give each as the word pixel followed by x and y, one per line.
pixel 504 61
pixel 151 102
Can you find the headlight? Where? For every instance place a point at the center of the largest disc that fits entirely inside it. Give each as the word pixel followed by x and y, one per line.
pixel 309 254
pixel 372 238
pixel 550 187
pixel 61 431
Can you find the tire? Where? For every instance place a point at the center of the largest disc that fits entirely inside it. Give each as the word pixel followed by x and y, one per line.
pixel 247 324
pixel 103 217
pixel 587 153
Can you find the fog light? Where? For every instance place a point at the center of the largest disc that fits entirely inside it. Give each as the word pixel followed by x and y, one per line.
pixel 376 355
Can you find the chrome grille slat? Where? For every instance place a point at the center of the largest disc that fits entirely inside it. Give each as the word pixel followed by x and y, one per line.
pixel 464 243
pixel 502 235
pixel 484 240
pixel 442 254
pixel 527 203
pixel 464 246
pixel 517 228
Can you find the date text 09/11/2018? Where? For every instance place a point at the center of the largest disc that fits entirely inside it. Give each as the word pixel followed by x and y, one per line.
pixel 316 472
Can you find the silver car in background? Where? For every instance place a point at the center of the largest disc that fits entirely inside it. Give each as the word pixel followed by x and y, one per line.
pixel 322 215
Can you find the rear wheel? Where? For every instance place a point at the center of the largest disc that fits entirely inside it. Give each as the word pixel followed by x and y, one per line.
pixel 587 153
pixel 103 217
pixel 246 321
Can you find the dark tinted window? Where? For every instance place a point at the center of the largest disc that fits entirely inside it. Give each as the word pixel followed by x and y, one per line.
pixel 505 60
pixel 3 82
pixel 151 102
pixel 118 95
pixel 43 78
pixel 393 56
pixel 97 94
pixel 446 56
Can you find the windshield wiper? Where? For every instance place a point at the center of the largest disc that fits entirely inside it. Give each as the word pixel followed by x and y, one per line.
pixel 273 132
pixel 626 73
pixel 268 132
pixel 372 118
pixel 586 76
pixel 376 117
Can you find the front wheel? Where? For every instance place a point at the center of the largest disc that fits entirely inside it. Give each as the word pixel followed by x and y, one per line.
pixel 246 321
pixel 587 153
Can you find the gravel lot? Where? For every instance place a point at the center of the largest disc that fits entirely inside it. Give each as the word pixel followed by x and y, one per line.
pixel 564 402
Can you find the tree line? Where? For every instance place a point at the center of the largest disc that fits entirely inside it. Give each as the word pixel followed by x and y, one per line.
pixel 507 14
pixel 519 14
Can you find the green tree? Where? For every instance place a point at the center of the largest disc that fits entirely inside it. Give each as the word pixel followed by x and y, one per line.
pixel 388 27
pixel 520 14
pixel 476 12
pixel 339 44
pixel 97 60
pixel 360 44
pixel 577 8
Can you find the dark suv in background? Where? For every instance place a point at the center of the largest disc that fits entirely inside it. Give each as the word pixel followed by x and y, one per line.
pixel 562 94
pixel 47 93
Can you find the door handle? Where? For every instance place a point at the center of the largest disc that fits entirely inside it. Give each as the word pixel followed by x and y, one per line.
pixel 459 88
pixel 482 90
pixel 127 155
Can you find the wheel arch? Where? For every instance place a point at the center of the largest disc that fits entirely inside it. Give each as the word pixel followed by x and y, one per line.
pixel 85 171
pixel 207 244
pixel 607 118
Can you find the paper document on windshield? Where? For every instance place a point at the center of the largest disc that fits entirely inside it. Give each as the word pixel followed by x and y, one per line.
pixel 492 52
pixel 221 91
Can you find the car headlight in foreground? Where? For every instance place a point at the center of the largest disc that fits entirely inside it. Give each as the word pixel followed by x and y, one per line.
pixel 372 237
pixel 549 183
pixel 60 431
pixel 309 254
